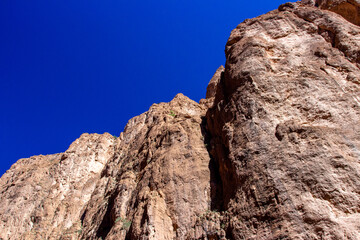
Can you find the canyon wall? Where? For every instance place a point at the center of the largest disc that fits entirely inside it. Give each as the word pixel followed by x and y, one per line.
pixel 273 152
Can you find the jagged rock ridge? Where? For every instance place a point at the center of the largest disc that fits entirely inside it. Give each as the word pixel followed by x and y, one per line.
pixel 273 152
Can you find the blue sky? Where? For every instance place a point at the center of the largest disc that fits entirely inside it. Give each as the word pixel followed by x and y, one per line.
pixel 74 66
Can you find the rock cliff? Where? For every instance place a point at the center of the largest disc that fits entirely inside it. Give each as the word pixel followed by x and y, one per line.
pixel 273 152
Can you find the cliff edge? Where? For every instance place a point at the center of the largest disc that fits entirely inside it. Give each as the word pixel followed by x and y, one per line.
pixel 273 152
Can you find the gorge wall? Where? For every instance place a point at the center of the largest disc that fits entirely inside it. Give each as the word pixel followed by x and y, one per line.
pixel 273 152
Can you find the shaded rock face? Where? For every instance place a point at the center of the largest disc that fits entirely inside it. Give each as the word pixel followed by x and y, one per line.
pixel 273 152
pixel 349 9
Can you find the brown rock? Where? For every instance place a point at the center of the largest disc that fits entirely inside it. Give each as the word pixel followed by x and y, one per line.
pixel 286 126
pixel 349 9
pixel 41 197
pixel 211 88
pixel 273 152
pixel 159 180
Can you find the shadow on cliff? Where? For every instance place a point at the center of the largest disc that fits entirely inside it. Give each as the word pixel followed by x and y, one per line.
pixel 216 189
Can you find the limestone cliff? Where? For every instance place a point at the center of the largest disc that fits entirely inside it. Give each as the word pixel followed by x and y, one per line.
pixel 273 152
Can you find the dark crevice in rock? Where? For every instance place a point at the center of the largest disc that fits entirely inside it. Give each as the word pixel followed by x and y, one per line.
pixel 229 234
pixel 216 190
pixel 223 177
pixel 107 221
pixel 216 186
pixel 128 235
pixel 328 35
pixel 83 216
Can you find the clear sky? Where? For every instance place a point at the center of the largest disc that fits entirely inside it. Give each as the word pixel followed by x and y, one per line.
pixel 74 66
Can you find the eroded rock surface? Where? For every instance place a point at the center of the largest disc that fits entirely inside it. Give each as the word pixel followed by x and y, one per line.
pixel 285 126
pixel 273 152
pixel 349 9
pixel 41 197
pixel 153 182
pixel 159 181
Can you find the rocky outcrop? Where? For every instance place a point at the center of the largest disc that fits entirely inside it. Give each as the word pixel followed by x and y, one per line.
pixel 159 181
pixel 42 197
pixel 285 126
pixel 273 152
pixel 349 9
pixel 153 182
pixel 212 86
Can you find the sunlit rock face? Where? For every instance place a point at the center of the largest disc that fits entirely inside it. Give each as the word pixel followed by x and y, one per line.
pixel 285 126
pixel 273 152
pixel 158 182
pixel 42 196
